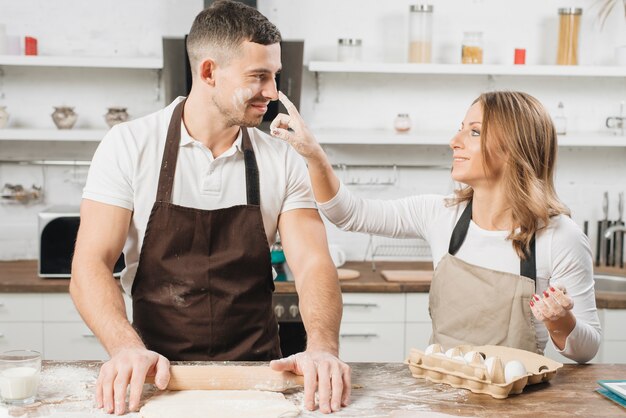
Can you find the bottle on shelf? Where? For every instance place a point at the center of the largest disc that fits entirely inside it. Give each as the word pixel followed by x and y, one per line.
pixel 402 123
pixel 421 33
pixel 560 120
pixel 472 49
pixel 569 27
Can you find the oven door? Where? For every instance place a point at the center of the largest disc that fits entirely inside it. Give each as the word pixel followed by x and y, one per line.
pixel 290 327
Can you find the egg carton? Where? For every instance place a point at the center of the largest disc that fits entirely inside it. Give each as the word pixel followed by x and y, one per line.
pixel 456 372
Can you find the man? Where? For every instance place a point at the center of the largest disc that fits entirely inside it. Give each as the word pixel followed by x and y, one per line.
pixel 194 197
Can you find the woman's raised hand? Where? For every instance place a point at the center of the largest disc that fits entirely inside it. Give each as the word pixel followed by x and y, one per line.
pixel 299 137
pixel 552 305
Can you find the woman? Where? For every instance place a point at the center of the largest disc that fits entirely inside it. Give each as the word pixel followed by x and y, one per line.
pixel 503 245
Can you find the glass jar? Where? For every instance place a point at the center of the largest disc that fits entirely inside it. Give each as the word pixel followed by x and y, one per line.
pixel 349 49
pixel 569 27
pixel 560 120
pixel 472 49
pixel 420 33
pixel 4 117
pixel 402 123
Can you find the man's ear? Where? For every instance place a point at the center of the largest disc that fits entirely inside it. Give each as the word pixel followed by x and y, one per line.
pixel 207 71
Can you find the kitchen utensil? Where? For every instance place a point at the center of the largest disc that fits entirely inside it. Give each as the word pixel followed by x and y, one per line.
pixel 602 226
pixel 619 235
pixel 422 276
pixel 348 274
pixel 230 378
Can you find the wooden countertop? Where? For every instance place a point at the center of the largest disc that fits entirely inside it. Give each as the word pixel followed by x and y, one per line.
pixel 382 390
pixel 21 277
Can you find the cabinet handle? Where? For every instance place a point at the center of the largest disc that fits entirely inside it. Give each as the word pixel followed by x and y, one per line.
pixel 361 305
pixel 89 336
pixel 359 335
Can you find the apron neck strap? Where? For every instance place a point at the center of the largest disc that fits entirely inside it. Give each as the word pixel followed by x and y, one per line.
pixel 170 157
pixel 528 266
pixel 253 190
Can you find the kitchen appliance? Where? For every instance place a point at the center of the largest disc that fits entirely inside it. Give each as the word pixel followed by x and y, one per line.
pixel 58 227
pixel 290 327
pixel 177 74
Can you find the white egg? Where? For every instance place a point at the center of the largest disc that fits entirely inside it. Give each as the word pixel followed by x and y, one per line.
pixel 459 358
pixel 513 370
pixel 489 364
pixel 432 349
pixel 450 353
pixel 469 356
pixel 440 355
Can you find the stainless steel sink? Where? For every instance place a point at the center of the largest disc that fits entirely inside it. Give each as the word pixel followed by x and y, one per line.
pixel 606 283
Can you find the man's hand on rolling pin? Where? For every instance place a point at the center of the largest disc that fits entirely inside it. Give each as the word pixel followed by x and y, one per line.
pixel 129 366
pixel 552 305
pixel 300 138
pixel 322 371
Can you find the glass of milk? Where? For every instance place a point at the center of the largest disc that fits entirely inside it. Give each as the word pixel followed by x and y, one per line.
pixel 19 376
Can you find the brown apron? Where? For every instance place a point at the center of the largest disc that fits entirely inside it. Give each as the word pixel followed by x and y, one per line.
pixel 203 288
pixel 478 306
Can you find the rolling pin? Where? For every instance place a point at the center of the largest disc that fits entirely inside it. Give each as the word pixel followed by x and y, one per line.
pixel 230 378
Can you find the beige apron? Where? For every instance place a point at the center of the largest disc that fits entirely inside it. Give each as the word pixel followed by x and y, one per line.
pixel 478 306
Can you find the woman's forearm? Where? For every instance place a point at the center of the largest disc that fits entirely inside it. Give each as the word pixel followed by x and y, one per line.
pixel 323 179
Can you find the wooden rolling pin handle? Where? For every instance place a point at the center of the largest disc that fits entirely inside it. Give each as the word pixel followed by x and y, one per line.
pixel 230 378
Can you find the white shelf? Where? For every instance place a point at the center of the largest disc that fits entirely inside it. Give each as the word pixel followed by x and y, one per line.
pixel 52 134
pixel 385 137
pixel 83 62
pixel 467 69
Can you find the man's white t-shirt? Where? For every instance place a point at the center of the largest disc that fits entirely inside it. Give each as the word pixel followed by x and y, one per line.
pixel 125 172
pixel 563 255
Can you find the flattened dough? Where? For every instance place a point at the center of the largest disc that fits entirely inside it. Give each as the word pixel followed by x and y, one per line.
pixel 218 403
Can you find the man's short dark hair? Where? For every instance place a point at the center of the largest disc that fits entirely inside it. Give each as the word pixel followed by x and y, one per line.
pixel 221 28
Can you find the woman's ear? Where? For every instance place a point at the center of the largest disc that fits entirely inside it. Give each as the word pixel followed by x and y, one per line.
pixel 207 71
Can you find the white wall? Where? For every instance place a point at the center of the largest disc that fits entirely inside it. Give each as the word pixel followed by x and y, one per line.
pixel 134 28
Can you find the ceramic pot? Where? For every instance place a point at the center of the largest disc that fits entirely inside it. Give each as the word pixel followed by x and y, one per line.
pixel 115 115
pixel 4 117
pixel 64 117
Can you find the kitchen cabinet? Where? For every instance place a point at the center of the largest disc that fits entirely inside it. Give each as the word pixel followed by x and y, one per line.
pixel 65 335
pixel 418 326
pixel 50 324
pixel 613 346
pixel 21 322
pixel 372 327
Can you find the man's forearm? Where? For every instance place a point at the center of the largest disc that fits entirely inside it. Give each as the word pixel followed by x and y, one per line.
pixel 101 305
pixel 320 306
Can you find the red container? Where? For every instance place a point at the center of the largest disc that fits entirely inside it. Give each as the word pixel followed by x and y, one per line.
pixel 520 56
pixel 30 45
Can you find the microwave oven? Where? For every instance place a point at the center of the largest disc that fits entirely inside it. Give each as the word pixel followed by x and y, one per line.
pixel 58 227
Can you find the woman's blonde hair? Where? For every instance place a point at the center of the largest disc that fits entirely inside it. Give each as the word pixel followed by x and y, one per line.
pixel 518 128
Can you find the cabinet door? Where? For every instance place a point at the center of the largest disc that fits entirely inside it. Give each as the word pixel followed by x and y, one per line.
pixel 417 335
pixel 21 336
pixel 71 341
pixel 417 307
pixel 20 307
pixel 613 325
pixel 371 342
pixel 373 307
pixel 613 352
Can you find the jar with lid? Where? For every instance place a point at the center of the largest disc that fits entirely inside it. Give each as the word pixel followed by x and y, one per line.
pixel 472 49
pixel 402 123
pixel 349 49
pixel 569 27
pixel 421 33
pixel 4 117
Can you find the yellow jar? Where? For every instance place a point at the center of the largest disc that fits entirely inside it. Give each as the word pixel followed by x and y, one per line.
pixel 569 28
pixel 472 49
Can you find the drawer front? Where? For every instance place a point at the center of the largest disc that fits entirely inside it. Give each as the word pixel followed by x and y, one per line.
pixel 21 336
pixel 373 307
pixel 371 342
pixel 60 308
pixel 417 336
pixel 20 307
pixel 71 341
pixel 417 307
